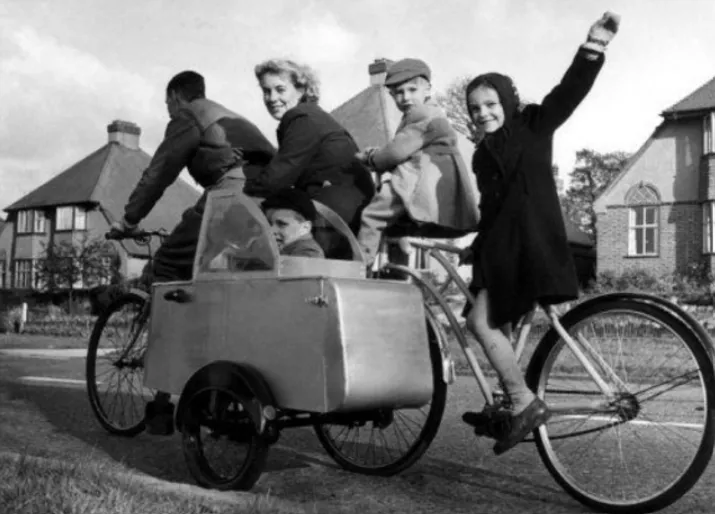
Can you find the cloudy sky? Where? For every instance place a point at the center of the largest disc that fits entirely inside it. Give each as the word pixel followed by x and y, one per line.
pixel 69 67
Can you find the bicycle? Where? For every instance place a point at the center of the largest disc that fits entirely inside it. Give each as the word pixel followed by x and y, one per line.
pixel 628 377
pixel 122 364
pixel 594 368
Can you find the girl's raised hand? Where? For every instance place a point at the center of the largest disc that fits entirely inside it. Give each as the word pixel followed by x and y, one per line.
pixel 604 29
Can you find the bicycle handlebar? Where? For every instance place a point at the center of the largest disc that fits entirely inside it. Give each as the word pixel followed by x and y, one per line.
pixel 427 244
pixel 137 235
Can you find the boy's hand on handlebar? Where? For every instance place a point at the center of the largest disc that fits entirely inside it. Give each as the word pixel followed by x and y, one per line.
pixel 121 229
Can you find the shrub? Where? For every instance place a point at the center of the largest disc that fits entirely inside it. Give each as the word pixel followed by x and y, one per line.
pixel 695 282
pixel 10 320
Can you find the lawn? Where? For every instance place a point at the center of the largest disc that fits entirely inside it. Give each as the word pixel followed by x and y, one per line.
pixel 35 486
pixel 33 341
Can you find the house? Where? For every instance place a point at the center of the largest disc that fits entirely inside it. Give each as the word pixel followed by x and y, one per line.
pixel 81 202
pixel 658 214
pixel 372 118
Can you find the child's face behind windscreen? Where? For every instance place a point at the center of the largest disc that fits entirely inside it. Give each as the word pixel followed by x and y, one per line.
pixel 414 92
pixel 288 226
pixel 486 109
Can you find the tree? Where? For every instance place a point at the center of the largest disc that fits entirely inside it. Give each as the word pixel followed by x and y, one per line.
pixel 454 102
pixel 68 265
pixel 592 174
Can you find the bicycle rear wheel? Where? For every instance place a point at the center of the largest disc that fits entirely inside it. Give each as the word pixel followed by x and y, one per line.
pixel 395 439
pixel 115 365
pixel 646 446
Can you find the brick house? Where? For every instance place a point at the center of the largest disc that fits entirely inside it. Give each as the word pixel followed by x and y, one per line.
pixel 658 215
pixel 81 202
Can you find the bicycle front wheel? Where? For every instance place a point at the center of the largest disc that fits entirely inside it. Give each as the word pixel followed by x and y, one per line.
pixel 644 446
pixel 115 366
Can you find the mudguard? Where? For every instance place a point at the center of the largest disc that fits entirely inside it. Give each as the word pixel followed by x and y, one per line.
pixel 239 378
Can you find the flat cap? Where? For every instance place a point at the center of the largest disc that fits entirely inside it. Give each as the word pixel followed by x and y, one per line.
pixel 407 69
pixel 292 199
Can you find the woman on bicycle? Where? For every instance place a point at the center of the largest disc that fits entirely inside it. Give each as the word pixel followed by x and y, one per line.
pixel 521 255
pixel 315 153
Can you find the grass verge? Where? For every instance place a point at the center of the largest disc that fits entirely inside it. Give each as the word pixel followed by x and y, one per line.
pixel 29 485
pixel 33 341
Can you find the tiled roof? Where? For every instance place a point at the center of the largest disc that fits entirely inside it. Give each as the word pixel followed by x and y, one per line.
pixel 106 178
pixel 702 99
pixel 370 116
pixel 73 186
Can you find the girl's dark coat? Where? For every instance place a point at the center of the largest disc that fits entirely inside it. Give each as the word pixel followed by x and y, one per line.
pixel 521 254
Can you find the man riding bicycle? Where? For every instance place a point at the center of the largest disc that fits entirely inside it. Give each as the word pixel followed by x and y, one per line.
pixel 220 149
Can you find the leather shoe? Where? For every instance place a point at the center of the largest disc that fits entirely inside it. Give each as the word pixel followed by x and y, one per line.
pixel 521 425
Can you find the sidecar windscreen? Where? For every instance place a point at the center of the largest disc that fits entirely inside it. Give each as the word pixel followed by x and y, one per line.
pixel 235 237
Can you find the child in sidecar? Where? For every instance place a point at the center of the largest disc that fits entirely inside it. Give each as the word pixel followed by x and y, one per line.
pixel 291 214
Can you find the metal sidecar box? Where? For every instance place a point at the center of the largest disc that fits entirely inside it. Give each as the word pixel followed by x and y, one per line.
pixel 323 336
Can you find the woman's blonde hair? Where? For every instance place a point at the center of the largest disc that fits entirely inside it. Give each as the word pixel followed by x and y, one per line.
pixel 302 76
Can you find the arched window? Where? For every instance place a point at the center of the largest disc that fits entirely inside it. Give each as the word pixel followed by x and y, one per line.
pixel 643 203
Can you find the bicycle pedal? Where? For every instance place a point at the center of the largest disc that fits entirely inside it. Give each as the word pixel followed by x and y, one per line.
pixel 488 423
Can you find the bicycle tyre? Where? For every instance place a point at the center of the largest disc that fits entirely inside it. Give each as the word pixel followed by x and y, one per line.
pixel 417 449
pixel 104 415
pixel 542 363
pixel 238 430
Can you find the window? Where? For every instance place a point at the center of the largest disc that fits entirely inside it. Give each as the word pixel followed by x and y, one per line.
pixel 71 218
pixel 643 233
pixel 30 222
pixel 24 223
pixel 39 222
pixel 80 218
pixel 643 220
pixel 64 218
pixel 23 274
pixel 709 133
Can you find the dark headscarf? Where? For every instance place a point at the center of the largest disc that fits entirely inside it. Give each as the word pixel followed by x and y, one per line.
pixel 496 142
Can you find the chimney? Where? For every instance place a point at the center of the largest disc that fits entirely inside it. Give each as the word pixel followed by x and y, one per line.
pixel 125 133
pixel 378 71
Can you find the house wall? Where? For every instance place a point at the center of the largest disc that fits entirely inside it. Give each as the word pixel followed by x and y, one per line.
pixel 5 250
pixel 680 240
pixel 671 163
pixel 33 246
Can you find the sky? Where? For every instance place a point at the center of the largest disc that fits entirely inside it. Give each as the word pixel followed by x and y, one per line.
pixel 67 69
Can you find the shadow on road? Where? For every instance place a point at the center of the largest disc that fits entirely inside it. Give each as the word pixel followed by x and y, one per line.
pixel 69 427
pixel 68 412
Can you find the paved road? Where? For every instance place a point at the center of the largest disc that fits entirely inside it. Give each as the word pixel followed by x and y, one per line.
pixel 458 474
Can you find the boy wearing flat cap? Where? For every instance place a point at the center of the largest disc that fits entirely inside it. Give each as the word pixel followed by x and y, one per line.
pixel 291 214
pixel 423 175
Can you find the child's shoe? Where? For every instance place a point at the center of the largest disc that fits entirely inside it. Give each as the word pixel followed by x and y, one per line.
pixel 522 424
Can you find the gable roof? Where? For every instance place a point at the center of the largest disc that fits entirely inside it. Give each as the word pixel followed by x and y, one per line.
pixel 73 186
pixel 702 99
pixel 106 178
pixel 370 116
